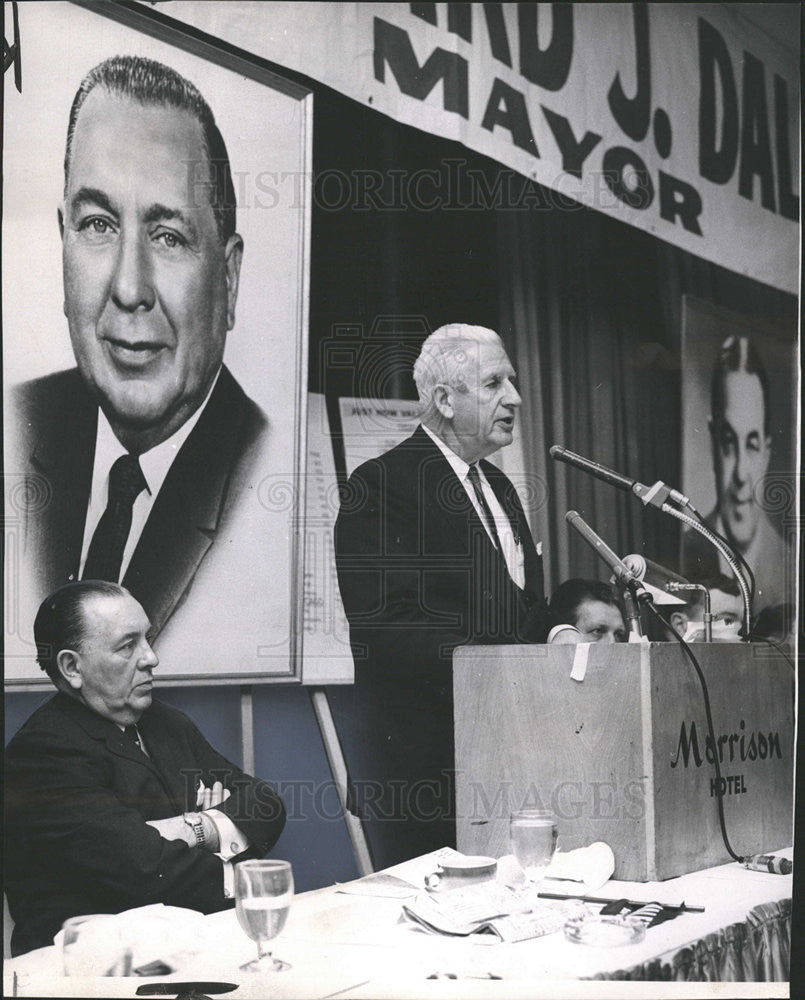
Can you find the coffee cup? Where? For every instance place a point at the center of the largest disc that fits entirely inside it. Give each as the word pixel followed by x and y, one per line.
pixel 462 873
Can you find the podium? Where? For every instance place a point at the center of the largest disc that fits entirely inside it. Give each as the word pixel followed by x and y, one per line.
pixel 622 752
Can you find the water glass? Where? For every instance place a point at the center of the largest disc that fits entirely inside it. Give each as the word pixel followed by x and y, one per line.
pixel 534 834
pixel 263 894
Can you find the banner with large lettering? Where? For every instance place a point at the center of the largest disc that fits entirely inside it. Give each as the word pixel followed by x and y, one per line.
pixel 681 119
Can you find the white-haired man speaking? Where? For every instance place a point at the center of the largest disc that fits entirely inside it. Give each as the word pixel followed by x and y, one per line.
pixel 433 551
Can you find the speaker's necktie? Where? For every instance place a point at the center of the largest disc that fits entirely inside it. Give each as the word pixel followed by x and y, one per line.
pixel 475 479
pixel 133 734
pixel 126 482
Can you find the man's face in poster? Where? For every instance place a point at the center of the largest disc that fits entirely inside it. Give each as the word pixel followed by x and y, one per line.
pixel 741 452
pixel 149 284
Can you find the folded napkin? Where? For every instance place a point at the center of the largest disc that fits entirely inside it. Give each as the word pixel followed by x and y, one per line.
pixel 580 871
pixel 155 933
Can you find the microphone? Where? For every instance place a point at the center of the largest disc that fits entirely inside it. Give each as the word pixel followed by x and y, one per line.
pixel 593 468
pixel 619 568
pixel 655 578
pixel 656 495
pixel 632 590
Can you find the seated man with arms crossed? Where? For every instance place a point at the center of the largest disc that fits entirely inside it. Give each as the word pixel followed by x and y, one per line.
pixel 103 785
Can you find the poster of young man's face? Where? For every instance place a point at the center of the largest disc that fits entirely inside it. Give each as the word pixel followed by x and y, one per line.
pixel 741 447
pixel 738 406
pixel 154 318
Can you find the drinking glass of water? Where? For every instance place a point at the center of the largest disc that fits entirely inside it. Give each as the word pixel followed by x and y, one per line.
pixel 263 894
pixel 534 834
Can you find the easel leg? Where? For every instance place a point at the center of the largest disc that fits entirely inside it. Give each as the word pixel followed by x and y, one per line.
pixel 338 769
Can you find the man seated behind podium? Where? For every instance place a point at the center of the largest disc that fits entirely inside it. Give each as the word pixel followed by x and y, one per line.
pixel 726 608
pixel 591 608
pixel 433 551
pixel 112 800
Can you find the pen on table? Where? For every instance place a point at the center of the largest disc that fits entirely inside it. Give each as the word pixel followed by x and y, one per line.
pixel 187 989
pixel 682 907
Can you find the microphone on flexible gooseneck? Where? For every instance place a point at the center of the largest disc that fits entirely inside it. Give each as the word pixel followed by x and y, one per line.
pixel 671 502
pixel 656 495
pixel 593 468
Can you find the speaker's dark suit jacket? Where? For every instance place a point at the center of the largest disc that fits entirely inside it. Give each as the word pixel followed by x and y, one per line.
pixel 78 794
pixel 419 576
pixel 57 421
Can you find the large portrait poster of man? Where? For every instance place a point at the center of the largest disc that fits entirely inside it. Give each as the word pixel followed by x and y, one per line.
pixel 739 453
pixel 154 339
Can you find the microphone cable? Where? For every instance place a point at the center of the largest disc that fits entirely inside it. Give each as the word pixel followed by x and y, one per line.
pixel 776 645
pixel 648 602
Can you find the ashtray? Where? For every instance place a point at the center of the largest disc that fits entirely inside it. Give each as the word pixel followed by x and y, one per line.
pixel 604 932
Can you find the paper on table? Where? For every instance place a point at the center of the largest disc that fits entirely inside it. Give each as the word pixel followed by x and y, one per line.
pixel 514 915
pixel 409 879
pixel 525 926
pixel 379 884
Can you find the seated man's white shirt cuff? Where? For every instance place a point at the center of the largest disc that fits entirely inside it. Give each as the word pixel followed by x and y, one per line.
pixel 561 628
pixel 230 840
pixel 229 878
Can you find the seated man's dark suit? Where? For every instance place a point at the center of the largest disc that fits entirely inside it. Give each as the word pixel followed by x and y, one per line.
pixel 78 794
pixel 56 421
pixel 419 576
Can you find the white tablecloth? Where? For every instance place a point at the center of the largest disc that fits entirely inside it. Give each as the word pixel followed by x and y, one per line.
pixel 358 946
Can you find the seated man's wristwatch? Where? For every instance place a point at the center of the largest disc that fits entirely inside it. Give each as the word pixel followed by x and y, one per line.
pixel 193 820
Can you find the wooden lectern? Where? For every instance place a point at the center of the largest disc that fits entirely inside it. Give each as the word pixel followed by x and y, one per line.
pixel 620 750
